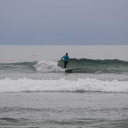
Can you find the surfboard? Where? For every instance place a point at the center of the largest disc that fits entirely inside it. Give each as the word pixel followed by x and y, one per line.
pixel 69 70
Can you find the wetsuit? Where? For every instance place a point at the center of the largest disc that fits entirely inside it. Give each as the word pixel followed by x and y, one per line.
pixel 66 59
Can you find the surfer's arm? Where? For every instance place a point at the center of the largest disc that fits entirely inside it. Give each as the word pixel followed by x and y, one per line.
pixel 61 59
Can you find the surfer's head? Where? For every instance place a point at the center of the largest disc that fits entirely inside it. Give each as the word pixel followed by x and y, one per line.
pixel 66 54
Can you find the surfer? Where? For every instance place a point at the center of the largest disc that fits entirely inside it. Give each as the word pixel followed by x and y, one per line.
pixel 66 59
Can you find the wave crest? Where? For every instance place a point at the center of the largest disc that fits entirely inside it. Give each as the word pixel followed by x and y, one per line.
pixel 97 66
pixel 47 66
pixel 78 65
pixel 62 85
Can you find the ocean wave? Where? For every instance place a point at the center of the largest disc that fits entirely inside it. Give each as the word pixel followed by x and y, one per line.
pixel 18 67
pixel 8 85
pixel 97 66
pixel 35 66
pixel 78 65
pixel 47 66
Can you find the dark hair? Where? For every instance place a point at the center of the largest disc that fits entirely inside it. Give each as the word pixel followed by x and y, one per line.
pixel 66 53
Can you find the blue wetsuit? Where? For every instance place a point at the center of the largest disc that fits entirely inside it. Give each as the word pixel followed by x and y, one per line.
pixel 66 59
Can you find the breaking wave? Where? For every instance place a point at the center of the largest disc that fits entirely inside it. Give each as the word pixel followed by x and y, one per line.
pixel 97 66
pixel 47 66
pixel 78 65
pixel 8 85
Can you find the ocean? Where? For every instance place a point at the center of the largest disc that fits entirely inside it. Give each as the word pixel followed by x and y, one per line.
pixel 36 92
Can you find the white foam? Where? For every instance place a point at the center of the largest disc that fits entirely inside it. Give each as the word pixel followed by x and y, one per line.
pixel 47 66
pixel 62 85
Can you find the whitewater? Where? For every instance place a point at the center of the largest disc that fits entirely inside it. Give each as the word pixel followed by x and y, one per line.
pixel 62 85
pixel 36 91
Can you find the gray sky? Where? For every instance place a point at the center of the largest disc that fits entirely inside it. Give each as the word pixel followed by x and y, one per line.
pixel 64 22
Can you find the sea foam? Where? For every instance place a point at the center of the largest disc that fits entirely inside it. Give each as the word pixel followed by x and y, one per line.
pixel 47 66
pixel 62 85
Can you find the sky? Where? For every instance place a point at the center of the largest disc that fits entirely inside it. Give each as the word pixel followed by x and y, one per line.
pixel 64 22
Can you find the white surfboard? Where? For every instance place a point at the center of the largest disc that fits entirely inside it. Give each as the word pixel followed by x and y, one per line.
pixel 69 70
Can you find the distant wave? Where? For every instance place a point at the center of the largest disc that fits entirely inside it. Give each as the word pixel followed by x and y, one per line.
pixel 8 85
pixel 79 66
pixel 40 66
pixel 97 66
pixel 19 67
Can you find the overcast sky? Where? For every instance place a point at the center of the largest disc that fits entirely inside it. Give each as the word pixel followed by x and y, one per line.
pixel 64 22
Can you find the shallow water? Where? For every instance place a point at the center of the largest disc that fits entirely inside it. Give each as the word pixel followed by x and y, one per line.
pixel 50 109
